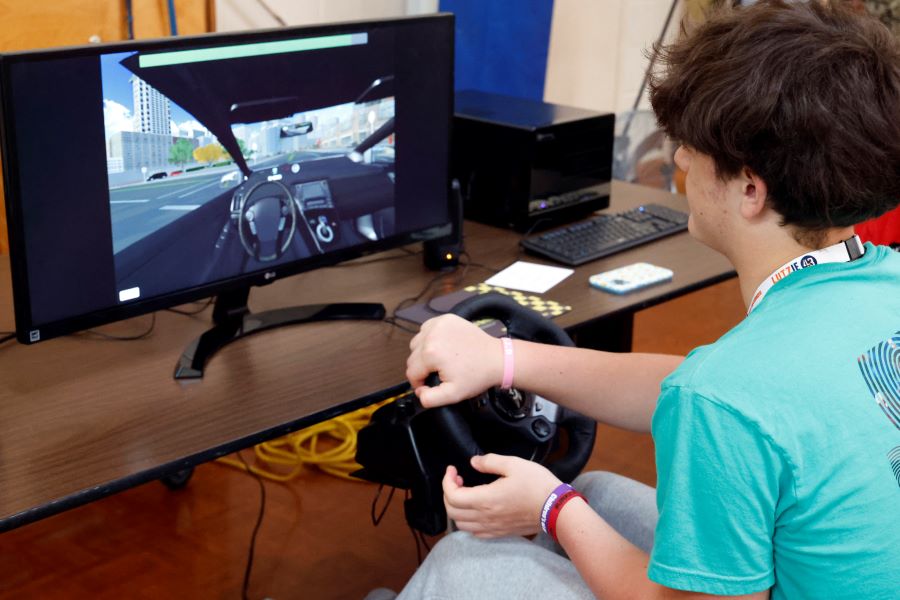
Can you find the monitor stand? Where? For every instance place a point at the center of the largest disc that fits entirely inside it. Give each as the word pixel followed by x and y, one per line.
pixel 233 320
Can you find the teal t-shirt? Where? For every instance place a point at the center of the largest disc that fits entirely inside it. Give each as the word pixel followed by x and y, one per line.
pixel 778 446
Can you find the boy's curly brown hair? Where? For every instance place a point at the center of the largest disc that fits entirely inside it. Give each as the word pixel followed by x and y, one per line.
pixel 805 94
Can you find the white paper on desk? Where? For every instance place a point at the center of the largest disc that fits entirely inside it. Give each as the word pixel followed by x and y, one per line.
pixel 529 277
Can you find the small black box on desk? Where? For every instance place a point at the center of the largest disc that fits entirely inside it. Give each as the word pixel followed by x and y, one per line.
pixel 530 165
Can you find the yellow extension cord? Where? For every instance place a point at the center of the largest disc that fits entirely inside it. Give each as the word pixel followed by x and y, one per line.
pixel 284 458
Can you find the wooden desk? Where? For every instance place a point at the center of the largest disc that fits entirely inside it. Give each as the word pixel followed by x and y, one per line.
pixel 82 418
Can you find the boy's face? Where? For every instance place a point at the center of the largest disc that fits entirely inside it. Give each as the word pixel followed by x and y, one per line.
pixel 708 198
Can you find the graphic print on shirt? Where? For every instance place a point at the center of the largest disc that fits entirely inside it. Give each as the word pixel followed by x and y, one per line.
pixel 880 368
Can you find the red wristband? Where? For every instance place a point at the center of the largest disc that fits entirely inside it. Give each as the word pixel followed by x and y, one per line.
pixel 557 508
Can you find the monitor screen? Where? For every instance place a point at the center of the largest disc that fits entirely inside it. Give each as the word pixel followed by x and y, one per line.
pixel 146 174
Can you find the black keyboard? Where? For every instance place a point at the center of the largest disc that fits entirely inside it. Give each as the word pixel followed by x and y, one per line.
pixel 606 234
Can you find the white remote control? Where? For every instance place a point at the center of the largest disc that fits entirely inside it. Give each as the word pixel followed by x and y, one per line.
pixel 630 278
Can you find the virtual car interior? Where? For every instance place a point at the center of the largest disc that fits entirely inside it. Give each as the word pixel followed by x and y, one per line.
pixel 322 177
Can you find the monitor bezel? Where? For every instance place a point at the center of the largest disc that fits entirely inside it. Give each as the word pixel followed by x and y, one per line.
pixel 17 250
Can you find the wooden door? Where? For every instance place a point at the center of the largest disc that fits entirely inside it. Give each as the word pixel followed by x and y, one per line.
pixel 28 25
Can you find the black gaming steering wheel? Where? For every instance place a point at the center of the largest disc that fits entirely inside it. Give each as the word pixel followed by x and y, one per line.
pixel 409 447
pixel 514 422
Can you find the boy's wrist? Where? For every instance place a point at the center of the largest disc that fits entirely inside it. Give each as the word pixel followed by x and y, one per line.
pixel 571 514
pixel 509 363
pixel 554 505
pixel 497 362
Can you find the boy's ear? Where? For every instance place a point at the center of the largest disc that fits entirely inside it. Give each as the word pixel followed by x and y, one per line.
pixel 754 194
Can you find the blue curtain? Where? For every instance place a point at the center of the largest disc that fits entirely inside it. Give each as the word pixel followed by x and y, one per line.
pixel 501 45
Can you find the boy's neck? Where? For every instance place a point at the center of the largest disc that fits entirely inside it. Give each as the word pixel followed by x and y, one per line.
pixel 759 256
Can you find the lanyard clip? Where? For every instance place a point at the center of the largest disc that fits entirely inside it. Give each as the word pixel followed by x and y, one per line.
pixel 854 247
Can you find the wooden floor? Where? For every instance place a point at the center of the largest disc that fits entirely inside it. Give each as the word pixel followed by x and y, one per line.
pixel 317 539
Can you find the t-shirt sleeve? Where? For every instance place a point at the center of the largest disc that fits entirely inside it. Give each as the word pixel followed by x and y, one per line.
pixel 718 493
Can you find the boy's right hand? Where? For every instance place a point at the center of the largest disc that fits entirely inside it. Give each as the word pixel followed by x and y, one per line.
pixel 467 360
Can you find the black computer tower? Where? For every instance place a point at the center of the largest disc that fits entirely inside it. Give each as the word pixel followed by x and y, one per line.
pixel 530 165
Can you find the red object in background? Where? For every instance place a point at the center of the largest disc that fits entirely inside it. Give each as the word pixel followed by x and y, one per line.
pixel 885 230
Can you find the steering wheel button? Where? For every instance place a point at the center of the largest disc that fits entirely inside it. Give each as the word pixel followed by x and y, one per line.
pixel 405 406
pixel 541 428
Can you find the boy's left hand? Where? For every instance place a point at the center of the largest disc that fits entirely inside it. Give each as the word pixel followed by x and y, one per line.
pixel 509 506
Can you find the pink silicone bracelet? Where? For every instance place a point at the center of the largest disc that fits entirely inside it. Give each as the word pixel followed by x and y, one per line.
pixel 508 363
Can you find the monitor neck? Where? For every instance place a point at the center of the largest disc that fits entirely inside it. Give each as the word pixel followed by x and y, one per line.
pixel 231 306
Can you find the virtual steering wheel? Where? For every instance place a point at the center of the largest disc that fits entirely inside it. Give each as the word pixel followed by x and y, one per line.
pixel 267 220
pixel 410 447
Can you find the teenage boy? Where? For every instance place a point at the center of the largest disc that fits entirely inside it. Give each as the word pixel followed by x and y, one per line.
pixel 778 446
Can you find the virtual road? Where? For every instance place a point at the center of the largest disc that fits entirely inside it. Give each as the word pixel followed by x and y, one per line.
pixel 139 210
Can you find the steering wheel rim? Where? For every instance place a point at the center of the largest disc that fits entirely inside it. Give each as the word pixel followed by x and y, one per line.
pixel 521 323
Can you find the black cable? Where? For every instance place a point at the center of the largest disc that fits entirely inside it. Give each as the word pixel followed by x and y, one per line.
pixel 259 520
pixel 122 338
pixel 376 520
pixel 415 538
pixel 173 19
pixel 521 251
pixel 534 225
pixel 7 335
pixel 425 541
pixel 460 274
pixel 378 259
pixel 393 321
pixel 418 545
pixel 200 309
pixel 129 19
pixel 471 263
pixel 413 299
pixel 272 13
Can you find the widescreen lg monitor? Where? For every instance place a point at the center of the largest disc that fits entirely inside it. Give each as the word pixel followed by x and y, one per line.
pixel 147 174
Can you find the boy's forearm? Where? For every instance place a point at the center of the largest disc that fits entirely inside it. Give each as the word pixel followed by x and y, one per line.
pixel 619 389
pixel 612 567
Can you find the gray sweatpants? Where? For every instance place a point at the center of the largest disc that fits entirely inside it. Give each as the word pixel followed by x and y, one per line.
pixel 463 567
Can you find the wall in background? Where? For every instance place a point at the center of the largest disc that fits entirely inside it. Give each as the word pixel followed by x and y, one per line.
pixel 233 15
pixel 28 25
pixel 501 45
pixel 593 58
pixel 597 54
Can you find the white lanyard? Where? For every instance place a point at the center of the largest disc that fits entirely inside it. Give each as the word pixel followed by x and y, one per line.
pixel 846 251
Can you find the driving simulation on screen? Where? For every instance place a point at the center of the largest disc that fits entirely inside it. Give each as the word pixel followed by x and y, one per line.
pixel 245 181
